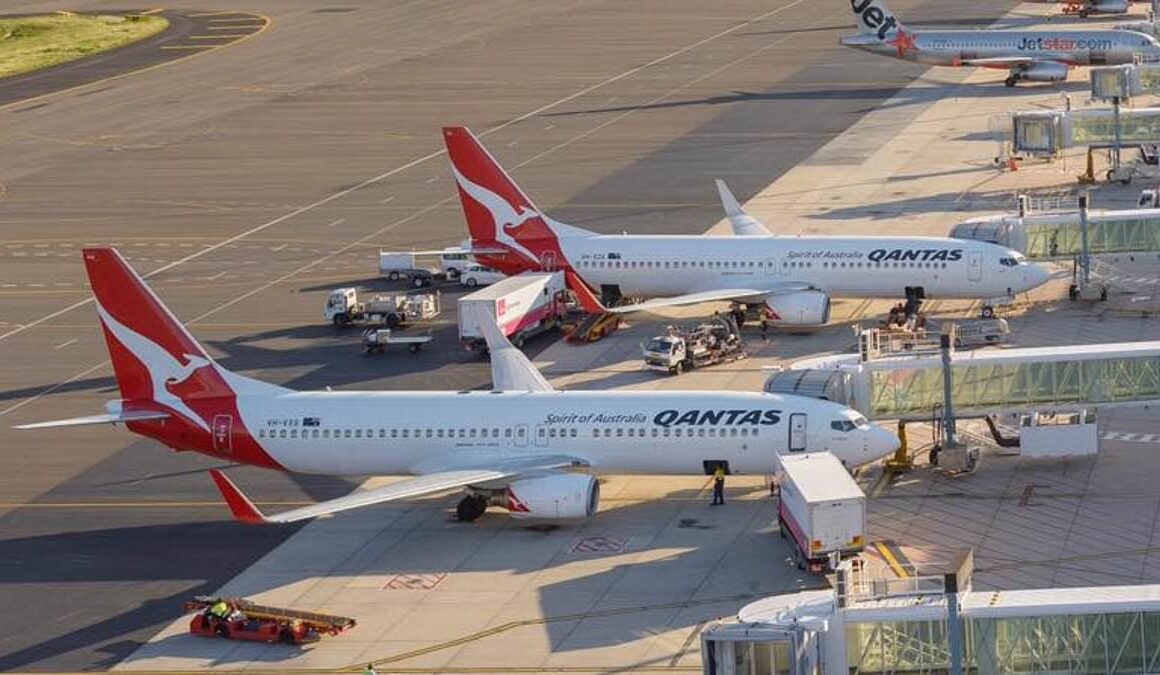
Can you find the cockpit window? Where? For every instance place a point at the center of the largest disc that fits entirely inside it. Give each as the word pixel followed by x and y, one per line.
pixel 843 425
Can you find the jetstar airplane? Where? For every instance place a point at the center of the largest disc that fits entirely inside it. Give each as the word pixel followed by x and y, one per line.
pixel 1034 55
pixel 523 446
pixel 792 278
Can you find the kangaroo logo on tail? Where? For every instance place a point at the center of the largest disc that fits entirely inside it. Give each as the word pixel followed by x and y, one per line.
pixel 502 213
pixel 163 368
pixel 875 19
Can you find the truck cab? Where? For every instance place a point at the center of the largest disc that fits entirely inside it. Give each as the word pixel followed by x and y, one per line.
pixel 341 306
pixel 665 352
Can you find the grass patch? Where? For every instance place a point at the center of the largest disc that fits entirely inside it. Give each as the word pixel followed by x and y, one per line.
pixel 29 43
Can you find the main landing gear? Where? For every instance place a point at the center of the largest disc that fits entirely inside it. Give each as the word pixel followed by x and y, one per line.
pixel 470 508
pixel 902 314
pixel 1011 80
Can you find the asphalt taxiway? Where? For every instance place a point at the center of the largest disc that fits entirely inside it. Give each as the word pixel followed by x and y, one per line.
pixel 248 181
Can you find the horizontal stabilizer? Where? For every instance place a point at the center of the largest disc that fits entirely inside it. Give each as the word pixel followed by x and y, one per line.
pixel 104 418
pixel 743 224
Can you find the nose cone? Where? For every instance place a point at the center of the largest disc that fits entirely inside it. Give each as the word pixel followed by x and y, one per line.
pixel 1035 276
pixel 880 442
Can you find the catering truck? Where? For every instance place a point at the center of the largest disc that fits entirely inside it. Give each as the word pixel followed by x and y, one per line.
pixel 821 508
pixel 522 306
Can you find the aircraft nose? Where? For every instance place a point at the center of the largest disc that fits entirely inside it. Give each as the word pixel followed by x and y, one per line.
pixel 881 442
pixel 1036 275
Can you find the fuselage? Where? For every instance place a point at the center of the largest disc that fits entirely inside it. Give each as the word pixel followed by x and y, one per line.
pixel 860 267
pixel 954 48
pixel 377 433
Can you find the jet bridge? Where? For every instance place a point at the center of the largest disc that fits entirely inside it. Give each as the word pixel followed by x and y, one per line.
pixel 1049 132
pixel 1048 236
pixel 910 387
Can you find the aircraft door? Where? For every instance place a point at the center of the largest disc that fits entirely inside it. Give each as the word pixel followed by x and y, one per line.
pixel 797 432
pixel 541 435
pixel 223 427
pixel 975 266
pixel 548 261
pixel 521 435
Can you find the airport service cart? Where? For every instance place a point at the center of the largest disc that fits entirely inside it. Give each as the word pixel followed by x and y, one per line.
pixel 396 264
pixel 260 623
pixel 522 306
pixel 679 349
pixel 821 508
pixel 376 340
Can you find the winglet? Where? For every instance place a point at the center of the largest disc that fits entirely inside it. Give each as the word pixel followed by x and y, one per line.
pixel 240 505
pixel 743 224
pixel 583 293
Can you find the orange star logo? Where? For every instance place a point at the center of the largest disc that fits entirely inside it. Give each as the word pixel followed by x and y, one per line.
pixel 902 42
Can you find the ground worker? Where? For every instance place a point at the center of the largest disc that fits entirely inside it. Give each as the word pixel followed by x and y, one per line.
pixel 219 609
pixel 370 670
pixel 718 485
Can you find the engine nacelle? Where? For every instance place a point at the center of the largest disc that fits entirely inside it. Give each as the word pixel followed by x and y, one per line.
pixel 562 496
pixel 800 308
pixel 1044 72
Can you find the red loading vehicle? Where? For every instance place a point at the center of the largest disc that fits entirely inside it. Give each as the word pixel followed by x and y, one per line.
pixel 240 619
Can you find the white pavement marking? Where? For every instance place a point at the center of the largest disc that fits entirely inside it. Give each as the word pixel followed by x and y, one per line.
pixel 339 221
pixel 387 200
pixel 279 248
pixel 217 276
pixel 65 344
pixel 425 158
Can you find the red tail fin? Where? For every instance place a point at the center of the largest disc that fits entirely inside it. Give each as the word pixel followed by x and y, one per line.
pixel 499 215
pixel 149 347
pixel 159 365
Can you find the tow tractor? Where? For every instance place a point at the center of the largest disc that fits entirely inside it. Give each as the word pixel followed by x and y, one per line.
pixel 679 349
pixel 375 340
pixel 245 620
pixel 343 306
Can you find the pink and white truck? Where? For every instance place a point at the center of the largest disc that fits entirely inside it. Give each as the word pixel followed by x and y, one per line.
pixel 821 508
pixel 523 306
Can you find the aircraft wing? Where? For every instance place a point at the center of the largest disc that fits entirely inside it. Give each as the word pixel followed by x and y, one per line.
pixel 440 481
pixel 511 370
pixel 693 299
pixel 103 418
pixel 1006 61
pixel 743 224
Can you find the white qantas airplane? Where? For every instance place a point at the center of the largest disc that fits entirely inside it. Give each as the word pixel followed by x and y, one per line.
pixel 523 446
pixel 792 278
pixel 1035 55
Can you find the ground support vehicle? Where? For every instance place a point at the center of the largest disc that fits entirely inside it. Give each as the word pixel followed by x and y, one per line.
pixel 344 305
pixel 821 508
pixel 395 265
pixel 246 620
pixel 679 349
pixel 522 306
pixel 376 340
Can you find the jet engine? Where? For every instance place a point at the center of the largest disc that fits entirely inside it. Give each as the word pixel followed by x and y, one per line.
pixel 1044 72
pixel 561 496
pixel 1110 6
pixel 799 308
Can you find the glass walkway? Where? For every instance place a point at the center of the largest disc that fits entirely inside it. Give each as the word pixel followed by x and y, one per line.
pixel 1113 629
pixel 984 381
pixel 1056 235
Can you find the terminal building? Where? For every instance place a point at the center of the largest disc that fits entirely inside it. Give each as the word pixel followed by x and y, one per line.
pixel 937 624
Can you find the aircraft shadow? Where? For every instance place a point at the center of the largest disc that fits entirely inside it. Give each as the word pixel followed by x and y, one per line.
pixel 698 575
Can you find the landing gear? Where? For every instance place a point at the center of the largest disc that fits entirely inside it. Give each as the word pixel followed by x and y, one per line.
pixel 470 508
pixel 1011 80
pixel 987 312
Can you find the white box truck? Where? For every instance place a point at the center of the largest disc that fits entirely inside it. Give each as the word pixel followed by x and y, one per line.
pixel 523 306
pixel 821 508
pixel 396 264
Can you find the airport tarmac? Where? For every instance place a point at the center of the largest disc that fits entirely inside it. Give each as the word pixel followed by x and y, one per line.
pixel 630 590
pixel 249 180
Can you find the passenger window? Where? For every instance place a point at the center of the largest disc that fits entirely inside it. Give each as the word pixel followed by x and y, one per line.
pixel 314 433
pixel 540 432
pixel 394 433
pixel 607 433
pixel 430 433
pixel 406 433
pixel 744 431
pixel 754 432
pixel 701 432
pixel 520 432
pixel 282 433
pixel 346 433
pixel 261 433
pixel 552 433
pixel 463 433
pixel 574 433
pixel 666 432
pixel 655 433
pixel 293 433
pixel 326 433
pixel 733 431
pixel 507 433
